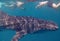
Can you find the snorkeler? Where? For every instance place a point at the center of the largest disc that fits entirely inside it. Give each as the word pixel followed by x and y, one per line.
pixel 19 4
pixel 49 3
pixel 53 5
pixel 14 4
pixel 11 5
pixel 41 4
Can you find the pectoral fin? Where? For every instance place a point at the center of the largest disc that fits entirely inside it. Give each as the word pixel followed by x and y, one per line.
pixel 18 36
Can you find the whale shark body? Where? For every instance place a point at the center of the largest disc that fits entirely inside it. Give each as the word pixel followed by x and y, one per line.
pixel 24 24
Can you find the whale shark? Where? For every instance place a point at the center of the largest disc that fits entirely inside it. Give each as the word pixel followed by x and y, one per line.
pixel 24 25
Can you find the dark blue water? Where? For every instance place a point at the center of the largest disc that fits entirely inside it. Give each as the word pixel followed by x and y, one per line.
pixel 44 12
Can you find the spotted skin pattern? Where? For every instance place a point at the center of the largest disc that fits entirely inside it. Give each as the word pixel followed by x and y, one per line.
pixel 24 24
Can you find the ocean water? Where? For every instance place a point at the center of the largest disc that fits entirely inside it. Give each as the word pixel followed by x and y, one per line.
pixel 45 12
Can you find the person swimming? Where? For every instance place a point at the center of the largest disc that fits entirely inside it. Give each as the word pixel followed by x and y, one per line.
pixel 53 5
pixel 49 4
pixel 14 4
pixel 41 4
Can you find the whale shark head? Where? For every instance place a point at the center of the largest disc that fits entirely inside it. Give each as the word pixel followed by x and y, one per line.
pixel 51 25
pixel 47 25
